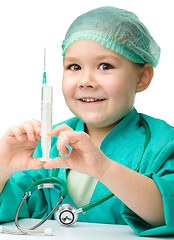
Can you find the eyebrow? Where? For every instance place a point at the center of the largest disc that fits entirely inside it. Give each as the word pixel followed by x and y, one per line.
pixel 70 59
pixel 99 57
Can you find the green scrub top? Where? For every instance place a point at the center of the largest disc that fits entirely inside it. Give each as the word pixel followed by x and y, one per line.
pixel 123 144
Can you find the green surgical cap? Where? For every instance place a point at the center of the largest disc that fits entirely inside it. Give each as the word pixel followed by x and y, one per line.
pixel 118 30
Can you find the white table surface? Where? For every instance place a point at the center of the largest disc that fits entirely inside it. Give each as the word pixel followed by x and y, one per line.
pixel 79 231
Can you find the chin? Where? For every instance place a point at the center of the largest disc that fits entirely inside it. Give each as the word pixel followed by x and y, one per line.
pixel 94 121
pixel 97 123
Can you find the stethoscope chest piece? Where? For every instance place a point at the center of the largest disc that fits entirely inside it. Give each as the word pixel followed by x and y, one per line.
pixel 66 215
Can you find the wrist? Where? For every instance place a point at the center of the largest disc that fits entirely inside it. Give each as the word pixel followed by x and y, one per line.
pixel 106 170
pixel 3 179
pixel 4 176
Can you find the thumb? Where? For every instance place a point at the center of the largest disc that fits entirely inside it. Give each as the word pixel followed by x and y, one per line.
pixel 58 162
pixel 57 130
pixel 34 163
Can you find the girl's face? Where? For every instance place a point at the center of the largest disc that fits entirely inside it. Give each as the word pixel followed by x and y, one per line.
pixel 99 85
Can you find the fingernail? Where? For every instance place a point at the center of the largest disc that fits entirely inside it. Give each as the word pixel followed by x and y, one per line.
pixel 38 129
pixel 20 137
pixel 32 136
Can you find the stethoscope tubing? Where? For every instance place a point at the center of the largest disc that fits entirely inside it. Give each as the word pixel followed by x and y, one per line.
pixel 26 231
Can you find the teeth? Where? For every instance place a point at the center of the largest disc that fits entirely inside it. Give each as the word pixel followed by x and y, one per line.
pixel 90 99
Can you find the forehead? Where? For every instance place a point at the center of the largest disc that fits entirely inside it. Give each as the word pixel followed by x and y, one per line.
pixel 83 47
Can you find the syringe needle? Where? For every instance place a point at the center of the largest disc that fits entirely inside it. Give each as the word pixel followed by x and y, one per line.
pixel 44 80
pixel 44 59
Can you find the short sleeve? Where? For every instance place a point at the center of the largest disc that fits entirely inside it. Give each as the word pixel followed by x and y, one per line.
pixel 164 179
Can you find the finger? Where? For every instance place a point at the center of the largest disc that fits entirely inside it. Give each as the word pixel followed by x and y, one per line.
pixel 15 131
pixel 59 162
pixel 27 128
pixel 79 140
pixel 62 143
pixel 34 163
pixel 56 131
pixel 37 125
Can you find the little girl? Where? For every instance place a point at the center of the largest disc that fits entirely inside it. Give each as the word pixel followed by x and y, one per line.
pixel 108 56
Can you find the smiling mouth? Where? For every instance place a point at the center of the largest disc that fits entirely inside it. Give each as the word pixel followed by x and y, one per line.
pixel 90 100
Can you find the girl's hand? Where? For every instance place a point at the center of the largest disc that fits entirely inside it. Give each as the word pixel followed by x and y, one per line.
pixel 17 147
pixel 85 156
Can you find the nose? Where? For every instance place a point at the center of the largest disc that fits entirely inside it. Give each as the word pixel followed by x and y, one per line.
pixel 87 80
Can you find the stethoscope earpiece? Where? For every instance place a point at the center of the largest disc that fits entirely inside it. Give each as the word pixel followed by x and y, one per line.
pixel 1 229
pixel 48 231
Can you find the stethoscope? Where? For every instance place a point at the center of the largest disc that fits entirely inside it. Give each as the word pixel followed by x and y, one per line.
pixel 65 214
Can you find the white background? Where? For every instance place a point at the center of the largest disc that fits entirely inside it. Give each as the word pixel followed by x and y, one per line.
pixel 27 26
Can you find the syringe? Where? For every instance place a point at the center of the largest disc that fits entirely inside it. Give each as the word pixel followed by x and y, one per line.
pixel 46 115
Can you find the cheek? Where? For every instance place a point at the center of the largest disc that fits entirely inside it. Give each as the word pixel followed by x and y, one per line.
pixel 66 88
pixel 116 88
pixel 122 90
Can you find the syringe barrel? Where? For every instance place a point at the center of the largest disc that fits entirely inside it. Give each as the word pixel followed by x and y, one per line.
pixel 46 119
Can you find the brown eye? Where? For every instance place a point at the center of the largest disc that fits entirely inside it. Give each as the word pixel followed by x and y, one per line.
pixel 74 67
pixel 105 66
